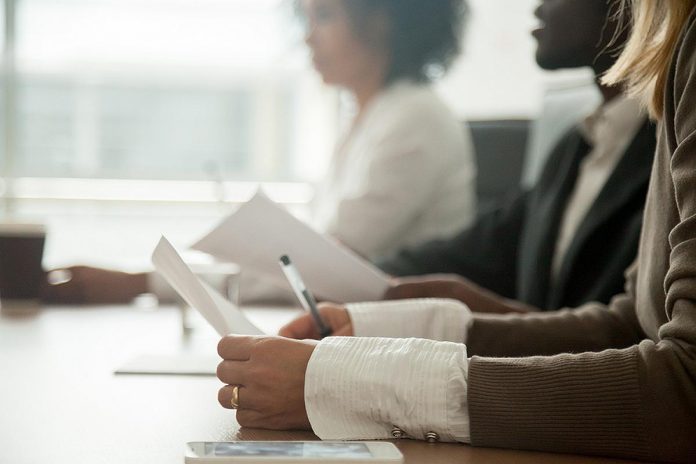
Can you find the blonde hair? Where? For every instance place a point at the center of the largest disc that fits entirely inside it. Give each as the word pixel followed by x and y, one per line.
pixel 644 63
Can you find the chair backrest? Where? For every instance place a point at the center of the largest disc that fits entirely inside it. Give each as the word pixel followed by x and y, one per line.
pixel 500 156
pixel 510 154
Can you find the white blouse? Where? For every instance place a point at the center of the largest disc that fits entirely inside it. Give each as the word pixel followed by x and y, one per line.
pixel 404 174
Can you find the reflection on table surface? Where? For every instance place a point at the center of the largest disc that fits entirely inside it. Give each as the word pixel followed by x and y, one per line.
pixel 60 401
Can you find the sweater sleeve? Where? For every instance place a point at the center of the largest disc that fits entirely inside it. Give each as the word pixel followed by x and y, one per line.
pixel 636 398
pixel 593 327
pixel 638 401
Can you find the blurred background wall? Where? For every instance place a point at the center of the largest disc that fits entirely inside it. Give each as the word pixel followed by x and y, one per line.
pixel 123 119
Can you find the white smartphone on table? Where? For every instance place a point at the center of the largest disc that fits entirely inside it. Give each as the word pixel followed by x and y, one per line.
pixel 293 452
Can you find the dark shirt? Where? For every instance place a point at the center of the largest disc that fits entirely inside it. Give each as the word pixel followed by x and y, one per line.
pixel 510 248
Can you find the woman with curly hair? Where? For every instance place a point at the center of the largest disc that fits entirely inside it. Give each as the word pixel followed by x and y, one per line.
pixel 404 172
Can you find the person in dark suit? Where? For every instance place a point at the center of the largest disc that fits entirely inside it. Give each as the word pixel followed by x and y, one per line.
pixel 568 240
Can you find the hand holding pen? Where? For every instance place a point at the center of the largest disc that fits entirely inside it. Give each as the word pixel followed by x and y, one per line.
pixel 304 296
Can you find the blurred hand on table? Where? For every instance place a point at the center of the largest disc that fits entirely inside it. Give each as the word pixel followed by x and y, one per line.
pixel 477 298
pixel 89 285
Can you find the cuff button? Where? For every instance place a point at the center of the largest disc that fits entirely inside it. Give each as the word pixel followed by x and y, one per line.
pixel 432 437
pixel 397 433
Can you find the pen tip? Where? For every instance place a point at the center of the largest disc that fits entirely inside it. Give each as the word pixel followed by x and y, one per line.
pixel 285 260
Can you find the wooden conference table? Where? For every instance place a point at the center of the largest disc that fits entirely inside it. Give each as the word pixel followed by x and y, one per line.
pixel 61 403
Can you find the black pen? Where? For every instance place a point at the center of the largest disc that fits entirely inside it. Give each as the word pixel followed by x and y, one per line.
pixel 306 299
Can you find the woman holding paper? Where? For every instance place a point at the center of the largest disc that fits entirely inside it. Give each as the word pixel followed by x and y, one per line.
pixel 404 172
pixel 616 380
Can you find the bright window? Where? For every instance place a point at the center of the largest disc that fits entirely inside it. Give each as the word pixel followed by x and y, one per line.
pixel 154 89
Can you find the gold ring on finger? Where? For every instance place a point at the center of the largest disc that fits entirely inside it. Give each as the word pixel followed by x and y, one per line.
pixel 234 401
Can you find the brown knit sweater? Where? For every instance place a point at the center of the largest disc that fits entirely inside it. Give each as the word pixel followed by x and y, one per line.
pixel 617 381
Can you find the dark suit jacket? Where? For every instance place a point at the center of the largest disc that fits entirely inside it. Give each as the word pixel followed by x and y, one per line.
pixel 510 248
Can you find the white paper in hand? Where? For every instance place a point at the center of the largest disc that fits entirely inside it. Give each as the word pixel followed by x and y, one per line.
pixel 225 317
pixel 260 232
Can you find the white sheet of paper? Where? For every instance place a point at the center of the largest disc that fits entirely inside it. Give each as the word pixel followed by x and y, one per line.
pixel 261 231
pixel 225 317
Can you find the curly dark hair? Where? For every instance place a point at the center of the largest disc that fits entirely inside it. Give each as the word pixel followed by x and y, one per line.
pixel 423 34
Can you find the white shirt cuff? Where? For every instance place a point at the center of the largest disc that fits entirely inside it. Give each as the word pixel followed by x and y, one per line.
pixel 433 319
pixel 361 388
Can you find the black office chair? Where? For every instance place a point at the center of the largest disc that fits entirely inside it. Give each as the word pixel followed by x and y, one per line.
pixel 500 154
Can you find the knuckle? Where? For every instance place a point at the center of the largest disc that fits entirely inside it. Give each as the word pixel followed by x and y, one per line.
pixel 256 350
pixel 263 346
